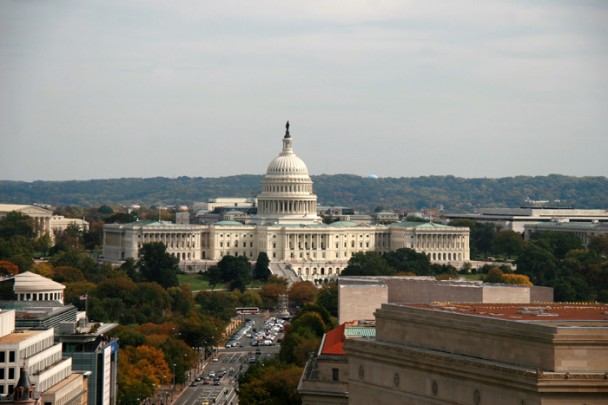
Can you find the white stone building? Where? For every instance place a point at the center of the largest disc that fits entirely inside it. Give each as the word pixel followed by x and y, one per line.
pixel 41 357
pixel 289 230
pixel 33 287
pixel 41 217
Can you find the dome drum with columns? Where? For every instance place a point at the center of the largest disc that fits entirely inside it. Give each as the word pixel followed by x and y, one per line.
pixel 288 229
pixel 287 195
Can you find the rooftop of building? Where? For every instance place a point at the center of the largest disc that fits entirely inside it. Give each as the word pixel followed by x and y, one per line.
pixel 333 341
pixel 63 383
pixel 18 336
pixel 29 281
pixel 554 313
pixel 574 225
pixel 37 310
pixel 415 224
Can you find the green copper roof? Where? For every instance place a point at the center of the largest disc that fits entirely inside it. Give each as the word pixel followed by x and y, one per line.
pixel 413 224
pixel 360 331
pixel 228 223
pixel 338 224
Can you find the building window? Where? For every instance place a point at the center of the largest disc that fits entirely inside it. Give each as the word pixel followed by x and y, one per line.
pixel 11 373
pixel 2 356
pixel 2 377
pixel 11 356
pixel 335 374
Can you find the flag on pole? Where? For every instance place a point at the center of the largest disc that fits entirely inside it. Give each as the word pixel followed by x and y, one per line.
pixel 83 297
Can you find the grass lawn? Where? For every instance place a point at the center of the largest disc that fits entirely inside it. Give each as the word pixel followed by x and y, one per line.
pixel 198 282
pixel 195 281
pixel 471 277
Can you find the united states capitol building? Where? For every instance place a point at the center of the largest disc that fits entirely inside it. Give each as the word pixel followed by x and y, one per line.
pixel 287 227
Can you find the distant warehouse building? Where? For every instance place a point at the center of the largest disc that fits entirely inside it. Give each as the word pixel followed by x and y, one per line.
pixel 515 219
pixel 584 231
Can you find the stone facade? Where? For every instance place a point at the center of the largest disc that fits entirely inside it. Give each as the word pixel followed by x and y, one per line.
pixel 480 354
pixel 359 297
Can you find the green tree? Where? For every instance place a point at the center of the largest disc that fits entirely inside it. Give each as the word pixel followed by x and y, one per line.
pixel 507 242
pixel 105 210
pixel 120 218
pixel 409 261
pixel 538 264
pixel 558 243
pixel 214 276
pixel 236 271
pixel 494 276
pixel 66 274
pixel 156 265
pixel 368 264
pixel 328 298
pixel 151 302
pixel 261 270
pixel 599 245
pixel 182 299
pixel 216 303
pixel 16 224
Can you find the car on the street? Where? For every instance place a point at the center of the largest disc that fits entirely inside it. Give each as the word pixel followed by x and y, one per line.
pixel 215 359
pixel 216 381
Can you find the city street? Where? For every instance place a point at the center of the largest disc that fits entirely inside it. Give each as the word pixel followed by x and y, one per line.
pixel 232 361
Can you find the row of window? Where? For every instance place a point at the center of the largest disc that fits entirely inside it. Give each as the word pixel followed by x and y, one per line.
pixel 37 347
pixel 10 357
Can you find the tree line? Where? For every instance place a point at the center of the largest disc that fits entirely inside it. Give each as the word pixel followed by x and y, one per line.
pixel 453 193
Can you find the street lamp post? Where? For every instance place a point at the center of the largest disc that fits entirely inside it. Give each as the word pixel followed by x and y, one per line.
pixel 174 375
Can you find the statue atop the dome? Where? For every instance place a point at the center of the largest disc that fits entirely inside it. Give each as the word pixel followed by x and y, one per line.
pixel 287 130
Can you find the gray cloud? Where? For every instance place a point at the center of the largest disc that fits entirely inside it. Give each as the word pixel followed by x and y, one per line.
pixel 106 89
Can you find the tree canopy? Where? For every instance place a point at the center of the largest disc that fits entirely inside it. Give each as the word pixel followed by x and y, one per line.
pixel 156 265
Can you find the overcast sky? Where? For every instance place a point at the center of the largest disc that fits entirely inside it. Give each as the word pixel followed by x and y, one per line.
pixel 118 88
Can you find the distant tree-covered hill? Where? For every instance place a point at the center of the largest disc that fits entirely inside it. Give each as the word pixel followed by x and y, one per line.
pixel 453 193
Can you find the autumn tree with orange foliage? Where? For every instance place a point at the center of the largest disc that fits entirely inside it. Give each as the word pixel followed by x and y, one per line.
pixel 8 268
pixel 141 370
pixel 518 279
pixel 302 292
pixel 270 294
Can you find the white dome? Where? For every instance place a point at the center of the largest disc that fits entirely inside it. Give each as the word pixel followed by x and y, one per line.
pixel 287 163
pixel 287 196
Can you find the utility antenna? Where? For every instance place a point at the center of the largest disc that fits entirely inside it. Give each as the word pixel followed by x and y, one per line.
pixel 159 211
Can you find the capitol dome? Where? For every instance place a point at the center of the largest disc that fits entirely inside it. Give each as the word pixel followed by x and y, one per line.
pixel 287 195
pixel 287 163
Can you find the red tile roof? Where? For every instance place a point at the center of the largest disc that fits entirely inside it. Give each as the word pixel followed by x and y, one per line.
pixel 552 311
pixel 334 341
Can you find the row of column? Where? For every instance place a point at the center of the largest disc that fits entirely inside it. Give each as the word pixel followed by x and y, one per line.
pixel 440 241
pixel 42 226
pixel 287 207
